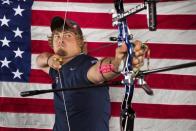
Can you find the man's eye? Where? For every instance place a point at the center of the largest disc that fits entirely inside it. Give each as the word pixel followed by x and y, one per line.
pixel 67 35
pixel 56 36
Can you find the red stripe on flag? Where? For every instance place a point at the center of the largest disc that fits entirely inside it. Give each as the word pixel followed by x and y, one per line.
pixel 39 76
pixel 38 46
pixel 155 81
pixel 182 22
pixel 172 51
pixel 104 1
pixel 99 49
pixel 159 111
pixel 137 21
pixel 173 82
pixel 27 105
pixel 169 81
pixel 19 105
pixel 22 129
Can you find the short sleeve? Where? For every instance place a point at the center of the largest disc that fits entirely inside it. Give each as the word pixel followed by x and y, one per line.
pixel 87 65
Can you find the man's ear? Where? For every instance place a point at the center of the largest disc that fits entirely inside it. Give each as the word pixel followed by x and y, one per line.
pixel 83 47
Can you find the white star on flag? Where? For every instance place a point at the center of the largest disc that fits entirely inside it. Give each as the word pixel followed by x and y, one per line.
pixel 18 11
pixel 18 53
pixel 5 42
pixel 4 21
pixel 5 63
pixel 17 74
pixel 6 2
pixel 18 32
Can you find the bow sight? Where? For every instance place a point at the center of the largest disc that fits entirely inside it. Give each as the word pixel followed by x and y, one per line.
pixel 150 5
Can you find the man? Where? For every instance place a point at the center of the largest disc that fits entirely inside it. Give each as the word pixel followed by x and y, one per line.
pixel 70 67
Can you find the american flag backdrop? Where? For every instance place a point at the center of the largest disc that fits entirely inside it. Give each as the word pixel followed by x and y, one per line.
pixel 24 27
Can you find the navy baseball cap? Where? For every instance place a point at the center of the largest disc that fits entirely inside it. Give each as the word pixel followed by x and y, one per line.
pixel 57 23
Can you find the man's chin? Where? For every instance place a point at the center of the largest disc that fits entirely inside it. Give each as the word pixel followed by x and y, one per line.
pixel 62 53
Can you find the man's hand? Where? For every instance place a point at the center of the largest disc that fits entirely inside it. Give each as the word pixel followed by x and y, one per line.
pixel 115 65
pixel 55 61
pixel 138 56
pixel 140 51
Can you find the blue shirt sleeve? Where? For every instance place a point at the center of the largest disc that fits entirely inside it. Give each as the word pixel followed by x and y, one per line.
pixel 87 65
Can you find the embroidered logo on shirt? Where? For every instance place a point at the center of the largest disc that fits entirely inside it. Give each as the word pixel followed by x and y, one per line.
pixel 72 69
pixel 94 61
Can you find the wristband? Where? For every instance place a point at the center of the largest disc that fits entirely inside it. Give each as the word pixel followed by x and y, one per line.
pixel 112 69
pixel 49 58
pixel 101 71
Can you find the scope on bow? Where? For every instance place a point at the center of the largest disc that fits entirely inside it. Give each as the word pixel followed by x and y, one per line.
pixel 150 5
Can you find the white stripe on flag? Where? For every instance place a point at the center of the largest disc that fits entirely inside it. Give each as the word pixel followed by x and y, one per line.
pixel 45 121
pixel 102 35
pixel 171 97
pixel 161 96
pixel 26 120
pixel 146 124
pixel 13 89
pixel 180 7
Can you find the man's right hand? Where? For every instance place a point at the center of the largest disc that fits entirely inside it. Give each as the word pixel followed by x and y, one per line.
pixel 55 61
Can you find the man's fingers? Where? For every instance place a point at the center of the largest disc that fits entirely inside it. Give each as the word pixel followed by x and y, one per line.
pixel 137 60
pixel 138 45
pixel 56 65
pixel 139 53
pixel 58 59
pixel 55 62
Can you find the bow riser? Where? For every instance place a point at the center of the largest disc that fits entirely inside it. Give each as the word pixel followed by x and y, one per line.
pixel 127 114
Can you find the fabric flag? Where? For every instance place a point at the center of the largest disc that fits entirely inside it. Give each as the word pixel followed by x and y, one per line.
pixel 24 27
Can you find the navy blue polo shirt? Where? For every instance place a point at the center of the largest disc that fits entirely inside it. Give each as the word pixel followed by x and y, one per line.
pixel 88 109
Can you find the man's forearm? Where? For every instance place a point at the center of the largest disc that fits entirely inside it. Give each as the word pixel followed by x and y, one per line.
pixel 42 59
pixel 109 68
pixel 105 69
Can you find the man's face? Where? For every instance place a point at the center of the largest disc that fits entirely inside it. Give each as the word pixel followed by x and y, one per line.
pixel 65 43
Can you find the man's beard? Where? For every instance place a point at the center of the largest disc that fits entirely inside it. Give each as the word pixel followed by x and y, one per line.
pixel 61 52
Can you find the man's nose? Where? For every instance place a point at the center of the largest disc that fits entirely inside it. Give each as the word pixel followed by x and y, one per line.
pixel 61 42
